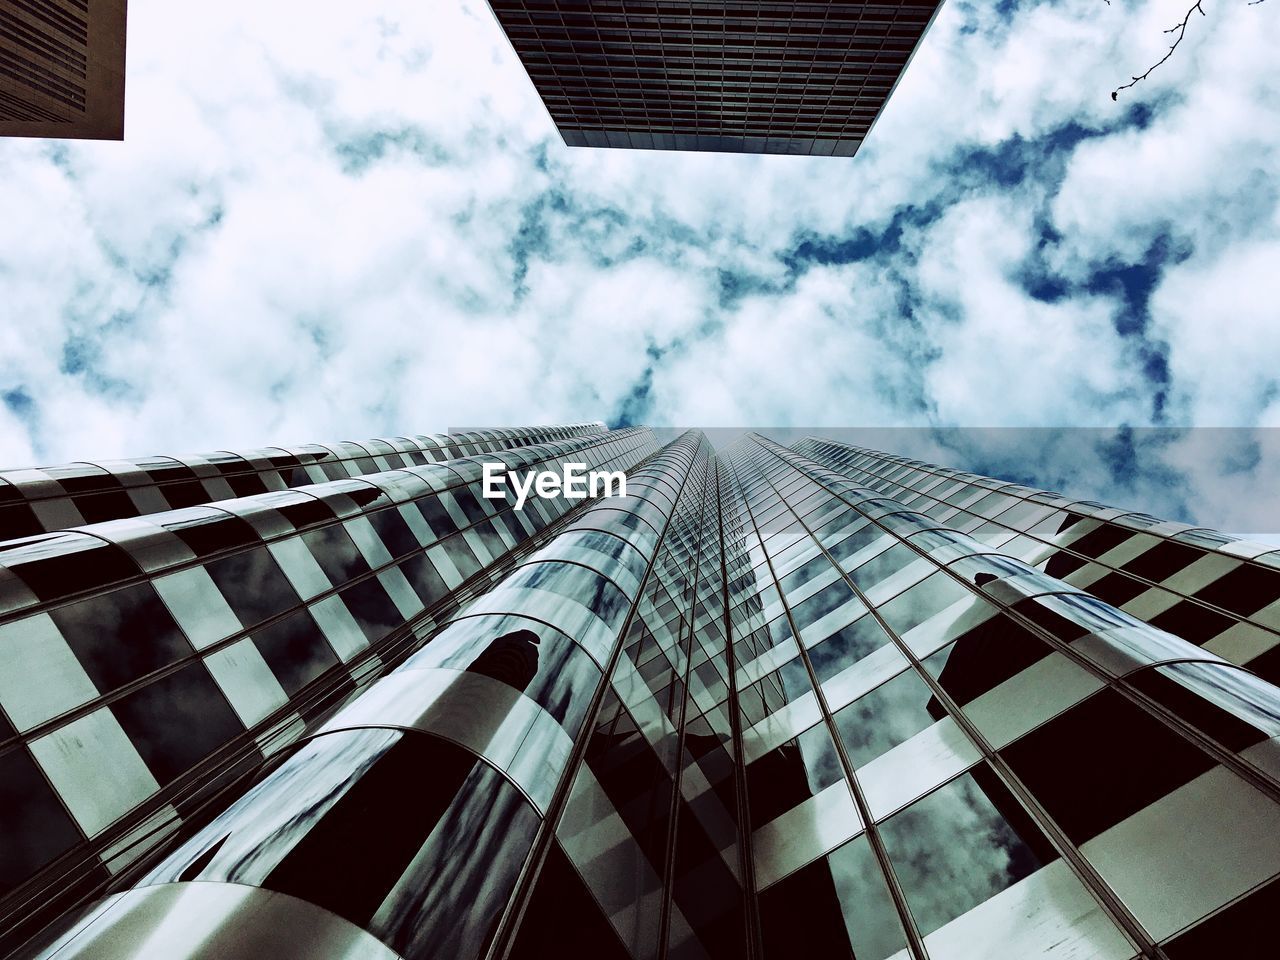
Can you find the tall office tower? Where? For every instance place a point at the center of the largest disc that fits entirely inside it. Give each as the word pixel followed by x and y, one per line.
pixel 62 69
pixel 55 498
pixel 739 77
pixel 769 701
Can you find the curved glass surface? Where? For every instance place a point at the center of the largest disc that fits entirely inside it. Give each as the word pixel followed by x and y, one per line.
pixel 428 874
pixel 556 673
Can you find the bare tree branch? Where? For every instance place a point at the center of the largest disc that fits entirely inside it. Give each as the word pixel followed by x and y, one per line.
pixel 1181 30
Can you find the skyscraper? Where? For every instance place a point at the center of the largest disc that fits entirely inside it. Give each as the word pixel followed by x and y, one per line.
pixel 773 701
pixel 62 69
pixel 740 77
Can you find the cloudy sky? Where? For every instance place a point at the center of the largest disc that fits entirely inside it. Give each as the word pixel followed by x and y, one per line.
pixel 340 220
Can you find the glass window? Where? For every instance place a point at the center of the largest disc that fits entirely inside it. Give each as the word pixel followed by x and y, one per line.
pixel 17 519
pixel 847 646
pixel 299 565
pixel 555 673
pixel 372 608
pixel 253 585
pixel 816 565
pixel 1100 540
pixel 790 774
pixel 779 687
pixel 35 826
pixel 564 918
pixel 40 677
pixel 870 918
pixel 367 540
pixel 1162 560
pixel 960 846
pixel 1193 622
pixel 919 603
pixel 803 916
pixel 402 595
pixel 206 530
pixel 985 657
pixel 490 542
pixel 295 650
pixel 752 705
pixel 246 484
pixel 60 564
pixel 464 560
pixel 859 538
pixel 798 592
pixel 201 611
pixel 340 628
pixel 1101 762
pixel 470 506
pixel 509 528
pixel 336 554
pixel 789 555
pixel 833 597
pixel 577 583
pixel 122 635
pixel 248 683
pixel 423 577
pixel 1226 703
pixel 106 505
pixel 1061 564
pixel 1117 589
pixel 305 511
pixel 883 566
pixel 1053 616
pixel 297 839
pixel 94 768
pixel 1243 591
pixel 184 493
pixel 437 517
pixel 1218 837
pixel 890 714
pixel 177 720
pixel 1236 931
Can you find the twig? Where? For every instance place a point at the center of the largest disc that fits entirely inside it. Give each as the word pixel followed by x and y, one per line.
pixel 1181 30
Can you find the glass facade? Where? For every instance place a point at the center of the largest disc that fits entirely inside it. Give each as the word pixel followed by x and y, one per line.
pixel 773 701
pixel 54 498
pixel 739 77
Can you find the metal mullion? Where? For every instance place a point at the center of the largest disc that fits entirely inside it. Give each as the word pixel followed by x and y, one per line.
pixel 845 64
pixel 668 877
pixel 513 914
pixel 1163 538
pixel 202 653
pixel 915 943
pixel 1230 760
pixel 1099 562
pixel 245 745
pixel 1092 880
pixel 148 576
pixel 751 906
pixel 808 83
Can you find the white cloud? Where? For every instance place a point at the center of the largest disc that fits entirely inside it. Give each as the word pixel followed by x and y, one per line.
pixel 316 226
pixel 1223 345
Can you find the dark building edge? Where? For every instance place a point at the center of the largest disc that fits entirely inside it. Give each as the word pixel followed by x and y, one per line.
pixel 104 84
